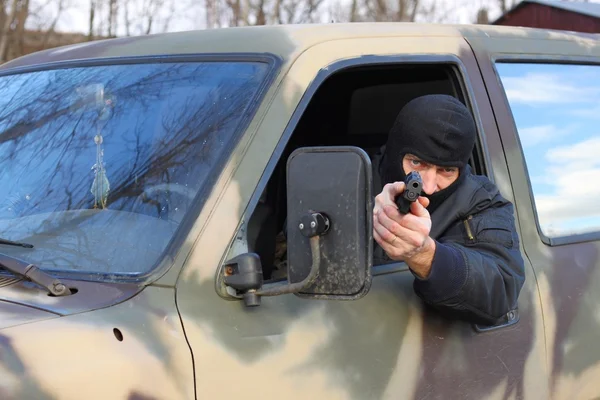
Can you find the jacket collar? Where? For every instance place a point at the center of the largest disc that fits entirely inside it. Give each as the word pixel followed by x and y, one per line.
pixel 473 195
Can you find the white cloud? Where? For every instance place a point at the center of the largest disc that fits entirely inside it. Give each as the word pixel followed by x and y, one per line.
pixel 592 111
pixel 534 135
pixel 573 211
pixel 582 155
pixel 538 180
pixel 574 173
pixel 546 88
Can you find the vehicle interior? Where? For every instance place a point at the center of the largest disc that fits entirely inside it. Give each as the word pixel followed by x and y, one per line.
pixel 355 107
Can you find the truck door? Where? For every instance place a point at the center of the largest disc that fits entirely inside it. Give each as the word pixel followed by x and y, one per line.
pixel 386 344
pixel 546 103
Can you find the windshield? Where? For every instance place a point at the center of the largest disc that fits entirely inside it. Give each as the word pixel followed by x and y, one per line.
pixel 99 165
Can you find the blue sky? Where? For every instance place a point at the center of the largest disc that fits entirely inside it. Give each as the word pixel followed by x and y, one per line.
pixel 557 112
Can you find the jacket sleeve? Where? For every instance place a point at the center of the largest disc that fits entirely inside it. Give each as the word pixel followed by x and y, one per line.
pixel 477 278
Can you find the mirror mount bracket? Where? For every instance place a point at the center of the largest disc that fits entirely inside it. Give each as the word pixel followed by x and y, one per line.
pixel 244 272
pixel 306 282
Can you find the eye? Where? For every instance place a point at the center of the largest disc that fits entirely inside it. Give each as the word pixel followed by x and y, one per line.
pixel 415 162
pixel 449 171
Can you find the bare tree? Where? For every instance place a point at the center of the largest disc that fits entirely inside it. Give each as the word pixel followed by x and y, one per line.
pixel 385 10
pixel 169 16
pixel 3 15
pixel 482 16
pixel 388 11
pixel 13 29
pixel 261 18
pixel 93 6
pixel 6 30
pixel 19 28
pixel 353 11
pixel 506 5
pixel 30 25
pixel 261 12
pixel 110 18
pixel 235 9
pixel 113 10
pixel 143 17
pixel 51 29
pixel 212 11
pixel 136 17
pixel 127 20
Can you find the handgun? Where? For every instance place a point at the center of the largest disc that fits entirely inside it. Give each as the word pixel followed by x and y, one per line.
pixel 412 189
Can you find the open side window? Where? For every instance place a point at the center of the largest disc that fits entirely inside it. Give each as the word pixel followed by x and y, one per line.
pixel 354 107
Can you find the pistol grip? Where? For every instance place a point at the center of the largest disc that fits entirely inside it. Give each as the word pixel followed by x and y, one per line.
pixel 403 204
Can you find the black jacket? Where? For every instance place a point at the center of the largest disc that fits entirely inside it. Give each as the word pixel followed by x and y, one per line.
pixel 477 271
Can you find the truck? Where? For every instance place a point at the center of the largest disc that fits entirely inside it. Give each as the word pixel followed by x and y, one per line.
pixel 188 215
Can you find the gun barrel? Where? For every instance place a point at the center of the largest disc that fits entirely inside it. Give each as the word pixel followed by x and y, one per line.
pixel 412 190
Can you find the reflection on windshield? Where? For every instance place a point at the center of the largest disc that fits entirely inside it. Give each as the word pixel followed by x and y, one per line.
pixel 100 164
pixel 557 110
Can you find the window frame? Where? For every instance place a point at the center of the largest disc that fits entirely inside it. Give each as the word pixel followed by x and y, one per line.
pixel 463 84
pixel 540 59
pixel 166 260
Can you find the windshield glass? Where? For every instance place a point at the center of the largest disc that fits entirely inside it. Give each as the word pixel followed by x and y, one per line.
pixel 99 165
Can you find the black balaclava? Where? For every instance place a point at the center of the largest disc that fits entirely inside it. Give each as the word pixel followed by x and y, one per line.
pixel 439 130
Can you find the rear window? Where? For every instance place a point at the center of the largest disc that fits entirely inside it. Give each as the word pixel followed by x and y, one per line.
pixel 556 108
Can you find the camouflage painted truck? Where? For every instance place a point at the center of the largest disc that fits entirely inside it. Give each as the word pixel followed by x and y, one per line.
pixel 147 184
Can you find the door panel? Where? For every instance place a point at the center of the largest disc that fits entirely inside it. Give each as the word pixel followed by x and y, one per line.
pixel 548 107
pixel 382 346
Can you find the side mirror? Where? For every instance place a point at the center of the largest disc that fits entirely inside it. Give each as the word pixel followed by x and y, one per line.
pixel 334 182
pixel 329 230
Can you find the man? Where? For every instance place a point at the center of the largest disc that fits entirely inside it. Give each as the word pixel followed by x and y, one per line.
pixel 459 238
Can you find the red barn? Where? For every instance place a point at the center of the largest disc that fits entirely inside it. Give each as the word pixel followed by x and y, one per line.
pixel 554 14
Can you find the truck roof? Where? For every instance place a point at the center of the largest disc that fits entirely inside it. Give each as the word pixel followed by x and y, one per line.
pixel 285 41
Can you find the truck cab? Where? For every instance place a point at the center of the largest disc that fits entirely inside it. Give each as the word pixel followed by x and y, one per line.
pixel 189 215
